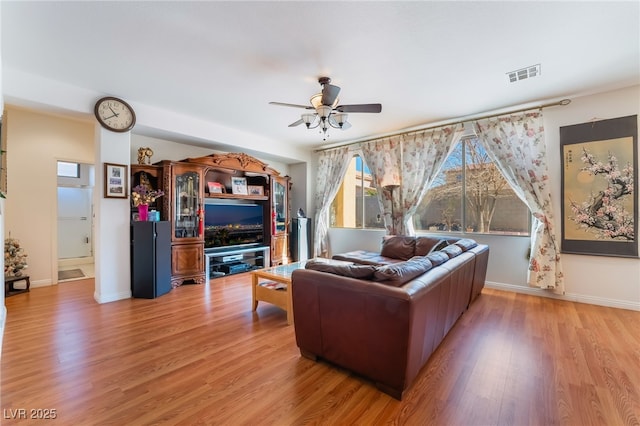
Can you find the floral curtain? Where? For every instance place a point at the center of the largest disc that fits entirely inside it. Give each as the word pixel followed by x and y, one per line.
pixel 423 153
pixel 383 157
pixel 332 166
pixel 516 144
pixel 408 163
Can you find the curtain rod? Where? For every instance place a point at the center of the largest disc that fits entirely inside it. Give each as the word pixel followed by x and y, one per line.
pixel 449 122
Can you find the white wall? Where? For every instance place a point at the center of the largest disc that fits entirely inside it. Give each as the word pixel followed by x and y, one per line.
pixel 33 91
pixel 604 280
pixel 607 281
pixel 170 150
pixel 112 222
pixel 35 142
pixel 3 309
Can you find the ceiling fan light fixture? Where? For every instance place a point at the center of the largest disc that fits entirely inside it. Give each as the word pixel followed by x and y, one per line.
pixel 340 118
pixel 328 113
pixel 323 111
pixel 316 100
pixel 308 119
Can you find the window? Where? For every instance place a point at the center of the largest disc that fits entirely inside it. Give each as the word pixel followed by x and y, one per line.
pixel 66 169
pixel 356 203
pixel 489 205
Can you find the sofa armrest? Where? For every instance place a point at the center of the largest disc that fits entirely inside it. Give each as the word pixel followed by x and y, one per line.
pixel 480 273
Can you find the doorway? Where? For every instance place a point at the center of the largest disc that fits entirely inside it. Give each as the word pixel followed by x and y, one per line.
pixel 75 221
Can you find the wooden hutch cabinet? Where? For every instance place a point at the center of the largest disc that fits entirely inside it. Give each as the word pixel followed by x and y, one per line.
pixel 192 185
pixel 273 194
pixel 181 205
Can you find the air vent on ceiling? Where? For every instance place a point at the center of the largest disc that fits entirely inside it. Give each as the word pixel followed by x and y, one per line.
pixel 521 74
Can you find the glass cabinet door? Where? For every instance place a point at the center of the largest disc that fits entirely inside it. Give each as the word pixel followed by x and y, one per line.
pixel 187 201
pixel 280 206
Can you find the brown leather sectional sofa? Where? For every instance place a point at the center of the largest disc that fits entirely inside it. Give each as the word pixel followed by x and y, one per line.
pixel 384 314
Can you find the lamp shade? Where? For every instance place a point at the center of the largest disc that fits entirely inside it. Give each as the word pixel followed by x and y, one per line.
pixel 316 100
pixel 323 111
pixel 308 119
pixel 340 118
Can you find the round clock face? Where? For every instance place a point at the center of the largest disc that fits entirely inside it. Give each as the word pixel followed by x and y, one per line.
pixel 115 114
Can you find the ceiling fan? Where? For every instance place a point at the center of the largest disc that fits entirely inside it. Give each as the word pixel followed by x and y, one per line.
pixel 327 113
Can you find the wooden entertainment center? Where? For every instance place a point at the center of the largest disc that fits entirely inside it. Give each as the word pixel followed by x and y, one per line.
pixel 190 183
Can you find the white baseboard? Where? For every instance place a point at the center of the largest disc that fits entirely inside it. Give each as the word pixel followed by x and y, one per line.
pixel 570 297
pixel 75 261
pixel 41 283
pixel 106 298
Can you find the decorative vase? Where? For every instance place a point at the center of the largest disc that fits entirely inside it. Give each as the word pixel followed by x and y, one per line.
pixel 143 212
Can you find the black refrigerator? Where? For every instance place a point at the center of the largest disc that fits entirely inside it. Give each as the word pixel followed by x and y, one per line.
pixel 150 259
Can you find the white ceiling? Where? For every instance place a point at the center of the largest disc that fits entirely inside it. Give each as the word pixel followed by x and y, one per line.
pixel 425 62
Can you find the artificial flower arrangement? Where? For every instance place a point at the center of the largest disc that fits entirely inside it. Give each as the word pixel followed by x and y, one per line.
pixel 15 259
pixel 143 195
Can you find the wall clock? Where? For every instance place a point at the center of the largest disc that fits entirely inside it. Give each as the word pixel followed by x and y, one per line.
pixel 115 114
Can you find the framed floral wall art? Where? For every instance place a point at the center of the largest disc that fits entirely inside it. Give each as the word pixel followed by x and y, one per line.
pixel 599 187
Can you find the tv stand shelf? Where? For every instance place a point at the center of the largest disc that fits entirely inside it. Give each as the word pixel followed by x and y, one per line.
pixel 238 197
pixel 234 260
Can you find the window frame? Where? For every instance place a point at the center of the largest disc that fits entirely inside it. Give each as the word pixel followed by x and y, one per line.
pixel 77 164
pixel 463 204
pixel 360 180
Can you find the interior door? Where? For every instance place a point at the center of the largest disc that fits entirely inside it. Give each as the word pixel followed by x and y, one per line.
pixel 74 222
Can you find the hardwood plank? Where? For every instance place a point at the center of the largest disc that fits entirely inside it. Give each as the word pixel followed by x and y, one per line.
pixel 199 355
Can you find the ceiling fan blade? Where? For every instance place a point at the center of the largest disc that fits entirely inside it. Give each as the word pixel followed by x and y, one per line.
pixel 329 94
pixel 296 123
pixel 291 105
pixel 359 108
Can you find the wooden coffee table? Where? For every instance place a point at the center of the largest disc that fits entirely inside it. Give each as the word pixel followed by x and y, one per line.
pixel 270 293
pixel 277 287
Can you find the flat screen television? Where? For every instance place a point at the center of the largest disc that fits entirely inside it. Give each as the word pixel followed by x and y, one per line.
pixel 232 225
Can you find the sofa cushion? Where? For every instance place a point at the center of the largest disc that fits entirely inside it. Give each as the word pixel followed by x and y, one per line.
pixel 364 257
pixel 402 272
pixel 351 271
pixel 437 258
pixel 424 245
pixel 466 244
pixel 439 246
pixel 399 247
pixel 452 250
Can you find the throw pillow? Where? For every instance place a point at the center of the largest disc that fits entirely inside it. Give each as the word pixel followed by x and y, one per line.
pixel 398 247
pixel 466 244
pixel 425 244
pixel 452 251
pixel 439 246
pixel 399 273
pixel 351 271
pixel 437 258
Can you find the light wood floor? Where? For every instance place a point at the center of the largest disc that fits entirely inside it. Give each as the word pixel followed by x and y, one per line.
pixel 198 355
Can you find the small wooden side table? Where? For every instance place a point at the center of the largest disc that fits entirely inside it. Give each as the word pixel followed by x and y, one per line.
pixel 9 289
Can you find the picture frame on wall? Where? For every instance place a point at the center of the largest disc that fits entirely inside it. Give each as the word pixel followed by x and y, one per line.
pixel 239 185
pixel 599 187
pixel 115 181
